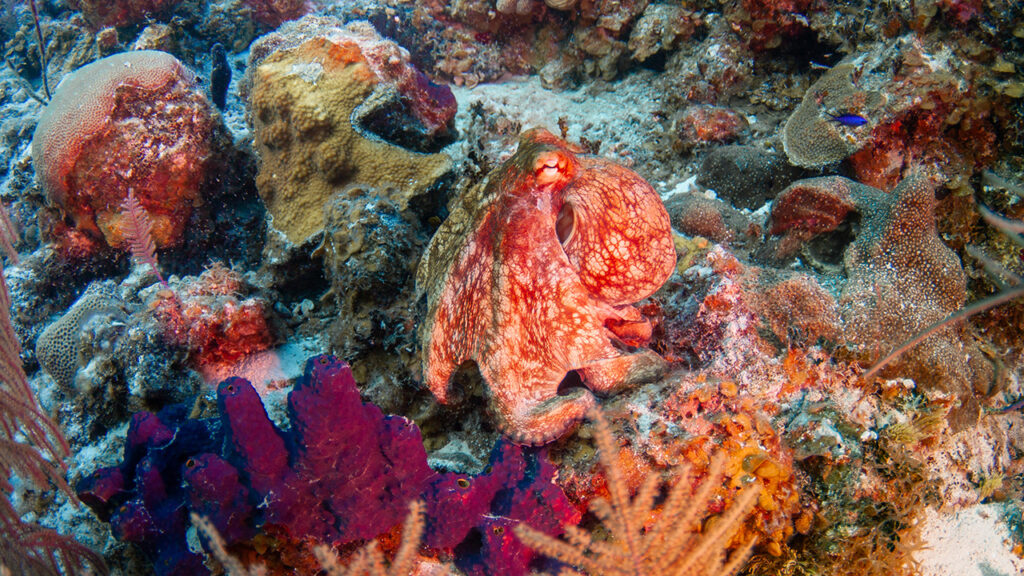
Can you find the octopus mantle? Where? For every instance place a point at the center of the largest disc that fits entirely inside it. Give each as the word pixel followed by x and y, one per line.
pixel 532 277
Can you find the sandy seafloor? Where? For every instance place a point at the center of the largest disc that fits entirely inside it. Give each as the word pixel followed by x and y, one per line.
pixel 974 526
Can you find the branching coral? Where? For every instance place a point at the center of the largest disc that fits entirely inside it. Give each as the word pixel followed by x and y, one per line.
pixel 640 546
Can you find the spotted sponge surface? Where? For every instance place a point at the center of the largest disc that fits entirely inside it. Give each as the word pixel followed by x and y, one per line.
pixel 58 347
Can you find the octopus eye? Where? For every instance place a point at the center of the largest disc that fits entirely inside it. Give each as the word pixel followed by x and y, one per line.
pixel 566 223
pixel 550 167
pixel 463 483
pixel 190 463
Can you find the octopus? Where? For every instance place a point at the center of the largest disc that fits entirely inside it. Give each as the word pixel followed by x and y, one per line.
pixel 533 278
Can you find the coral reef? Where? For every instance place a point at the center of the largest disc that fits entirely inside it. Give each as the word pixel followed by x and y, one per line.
pixel 316 88
pixel 370 250
pixel 133 121
pixel 528 273
pixel 101 13
pixel 901 278
pixel 930 113
pixel 212 321
pixel 840 181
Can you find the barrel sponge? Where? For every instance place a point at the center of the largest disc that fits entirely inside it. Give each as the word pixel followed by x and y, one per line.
pixel 132 121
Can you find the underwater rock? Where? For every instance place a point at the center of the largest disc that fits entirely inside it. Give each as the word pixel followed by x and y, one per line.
pixel 904 104
pixel 528 275
pixel 659 29
pixel 210 318
pixel 133 121
pixel 312 85
pixel 901 278
pixel 272 13
pixel 709 71
pixel 370 251
pixel 161 37
pixel 701 124
pixel 102 13
pixel 768 24
pixel 229 22
pixel 746 176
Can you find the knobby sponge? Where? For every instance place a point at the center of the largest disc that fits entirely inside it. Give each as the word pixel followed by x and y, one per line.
pixel 311 82
pixel 132 121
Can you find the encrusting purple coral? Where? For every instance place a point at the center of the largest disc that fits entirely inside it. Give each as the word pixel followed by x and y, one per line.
pixel 343 472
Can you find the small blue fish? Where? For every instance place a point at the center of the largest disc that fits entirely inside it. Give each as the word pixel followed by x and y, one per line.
pixel 852 120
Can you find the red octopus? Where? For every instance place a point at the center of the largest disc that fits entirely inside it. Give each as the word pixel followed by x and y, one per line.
pixel 532 277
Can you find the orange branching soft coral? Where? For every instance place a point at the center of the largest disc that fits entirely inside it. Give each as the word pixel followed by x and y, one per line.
pixel 532 277
pixel 653 536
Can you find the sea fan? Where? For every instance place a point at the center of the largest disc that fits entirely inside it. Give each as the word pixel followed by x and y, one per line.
pixel 8 236
pixel 32 447
pixel 138 230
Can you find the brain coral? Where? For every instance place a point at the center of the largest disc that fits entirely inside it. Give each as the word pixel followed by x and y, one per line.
pixel 132 121
pixel 310 84
pixel 811 137
pixel 907 103
pixel 57 348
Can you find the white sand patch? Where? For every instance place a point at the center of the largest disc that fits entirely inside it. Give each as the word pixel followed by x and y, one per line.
pixel 621 114
pixel 972 541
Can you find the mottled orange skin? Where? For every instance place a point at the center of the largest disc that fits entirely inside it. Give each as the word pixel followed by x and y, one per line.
pixel 532 277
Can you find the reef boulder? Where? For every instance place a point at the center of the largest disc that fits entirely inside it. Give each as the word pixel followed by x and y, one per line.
pixel 333 105
pixel 133 121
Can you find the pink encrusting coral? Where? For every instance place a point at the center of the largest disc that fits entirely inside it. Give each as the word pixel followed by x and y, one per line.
pixel 213 321
pixel 132 122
